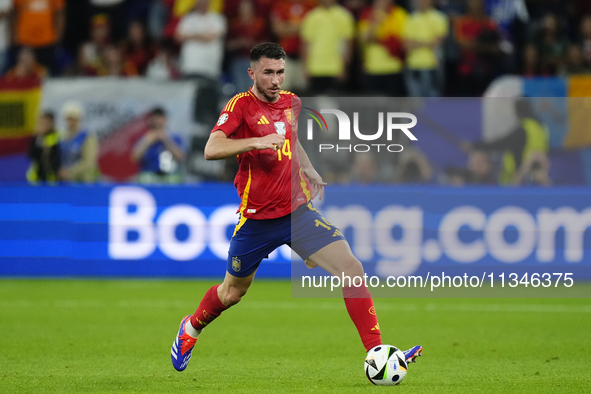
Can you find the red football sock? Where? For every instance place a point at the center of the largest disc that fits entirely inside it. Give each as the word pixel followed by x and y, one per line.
pixel 363 313
pixel 209 308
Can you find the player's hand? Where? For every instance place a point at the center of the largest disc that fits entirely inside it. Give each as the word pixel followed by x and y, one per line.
pixel 271 141
pixel 316 182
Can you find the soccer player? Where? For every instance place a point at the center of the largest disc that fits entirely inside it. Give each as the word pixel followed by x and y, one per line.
pixel 277 183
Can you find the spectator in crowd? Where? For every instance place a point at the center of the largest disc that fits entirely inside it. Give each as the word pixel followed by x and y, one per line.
pixel 512 17
pixel 138 48
pixel 201 35
pixel 79 149
pixel 481 52
pixel 552 44
pixel 39 24
pixel 286 23
pixel 161 22
pixel 180 8
pixel 574 63
pixel 159 153
pixel 26 67
pixel 115 12
pixel 44 151
pixel 5 10
pixel 163 66
pixel 327 45
pixel 585 38
pixel 158 15
pixel 245 30
pixel 413 166
pixel 423 37
pixel 114 65
pixel 91 52
pixel 506 13
pixel 531 63
pixel 480 170
pixel 529 137
pixel 380 29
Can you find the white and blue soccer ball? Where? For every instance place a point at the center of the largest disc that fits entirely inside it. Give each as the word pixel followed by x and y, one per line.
pixel 385 365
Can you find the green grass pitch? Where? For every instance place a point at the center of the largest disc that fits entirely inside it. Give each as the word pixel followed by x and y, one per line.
pixel 86 336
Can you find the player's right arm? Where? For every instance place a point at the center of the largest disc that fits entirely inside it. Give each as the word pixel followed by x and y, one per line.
pixel 219 146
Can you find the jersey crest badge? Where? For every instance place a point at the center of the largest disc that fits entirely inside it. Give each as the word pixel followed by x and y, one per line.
pixel 290 117
pixel 223 119
pixel 280 128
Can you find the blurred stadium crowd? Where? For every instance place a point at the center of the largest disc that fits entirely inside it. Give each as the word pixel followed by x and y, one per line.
pixel 393 48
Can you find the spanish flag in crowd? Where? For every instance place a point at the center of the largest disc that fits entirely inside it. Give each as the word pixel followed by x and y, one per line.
pixel 19 105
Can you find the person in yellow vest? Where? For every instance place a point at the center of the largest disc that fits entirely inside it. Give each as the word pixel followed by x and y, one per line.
pixel 380 35
pixel 44 151
pixel 527 143
pixel 423 35
pixel 327 44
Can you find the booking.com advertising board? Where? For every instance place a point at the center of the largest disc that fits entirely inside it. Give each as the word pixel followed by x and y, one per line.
pixel 132 231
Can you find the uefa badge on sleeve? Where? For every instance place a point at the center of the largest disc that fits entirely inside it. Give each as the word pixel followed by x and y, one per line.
pixel 223 119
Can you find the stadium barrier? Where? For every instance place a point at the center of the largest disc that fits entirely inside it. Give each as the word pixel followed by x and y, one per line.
pixel 132 231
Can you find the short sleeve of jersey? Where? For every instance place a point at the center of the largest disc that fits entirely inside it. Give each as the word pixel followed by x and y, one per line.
pixel 231 117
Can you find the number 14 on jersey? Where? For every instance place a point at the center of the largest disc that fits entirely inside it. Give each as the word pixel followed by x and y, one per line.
pixel 284 151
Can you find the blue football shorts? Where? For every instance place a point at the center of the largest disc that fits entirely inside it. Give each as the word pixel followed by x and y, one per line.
pixel 304 230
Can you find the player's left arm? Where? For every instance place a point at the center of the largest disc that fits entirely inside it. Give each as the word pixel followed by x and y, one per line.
pixel 315 179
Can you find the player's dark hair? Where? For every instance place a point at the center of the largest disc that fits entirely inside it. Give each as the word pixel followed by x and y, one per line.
pixel 158 111
pixel 269 50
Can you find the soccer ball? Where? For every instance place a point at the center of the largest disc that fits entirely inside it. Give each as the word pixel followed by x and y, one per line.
pixel 385 365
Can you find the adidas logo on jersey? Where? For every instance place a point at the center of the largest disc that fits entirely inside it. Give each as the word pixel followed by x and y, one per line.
pixel 263 120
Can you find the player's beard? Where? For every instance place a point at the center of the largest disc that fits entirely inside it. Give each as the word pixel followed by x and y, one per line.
pixel 262 91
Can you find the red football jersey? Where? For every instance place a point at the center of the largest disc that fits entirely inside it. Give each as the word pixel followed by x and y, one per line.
pixel 270 183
